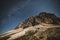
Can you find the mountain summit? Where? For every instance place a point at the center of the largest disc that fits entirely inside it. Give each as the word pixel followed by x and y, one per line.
pixel 45 26
pixel 43 17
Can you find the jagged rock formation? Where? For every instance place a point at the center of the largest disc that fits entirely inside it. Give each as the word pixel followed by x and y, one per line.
pixel 43 17
pixel 45 26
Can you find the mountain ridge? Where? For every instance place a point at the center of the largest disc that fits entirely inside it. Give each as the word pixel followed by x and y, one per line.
pixel 45 26
pixel 43 17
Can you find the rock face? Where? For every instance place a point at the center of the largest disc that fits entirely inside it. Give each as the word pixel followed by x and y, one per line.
pixel 49 34
pixel 45 26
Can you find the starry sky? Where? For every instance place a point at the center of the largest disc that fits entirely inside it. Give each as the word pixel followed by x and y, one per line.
pixel 12 12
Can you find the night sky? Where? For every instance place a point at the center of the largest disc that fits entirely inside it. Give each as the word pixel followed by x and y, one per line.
pixel 13 12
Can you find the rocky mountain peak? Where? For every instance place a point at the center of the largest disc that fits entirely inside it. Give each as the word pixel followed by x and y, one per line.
pixel 45 26
pixel 43 17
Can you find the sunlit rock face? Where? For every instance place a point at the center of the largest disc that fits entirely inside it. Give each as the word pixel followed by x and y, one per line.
pixel 49 34
pixel 45 26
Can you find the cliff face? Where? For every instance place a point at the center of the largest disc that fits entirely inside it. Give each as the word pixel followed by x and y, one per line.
pixel 43 17
pixel 45 26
